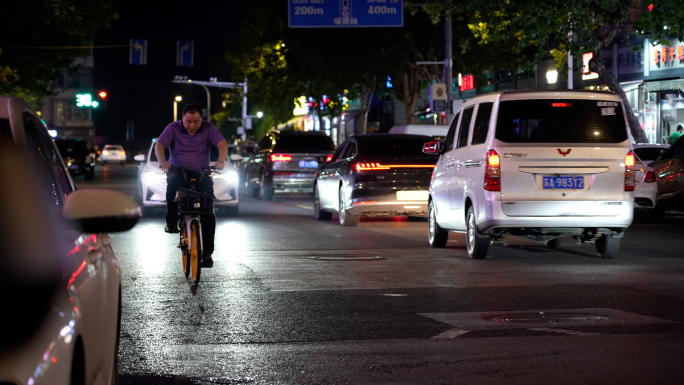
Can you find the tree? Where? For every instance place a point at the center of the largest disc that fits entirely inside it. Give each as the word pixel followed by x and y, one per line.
pixel 578 27
pixel 41 38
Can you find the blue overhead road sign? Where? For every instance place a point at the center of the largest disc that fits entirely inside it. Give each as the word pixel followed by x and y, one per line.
pixel 138 52
pixel 184 53
pixel 345 13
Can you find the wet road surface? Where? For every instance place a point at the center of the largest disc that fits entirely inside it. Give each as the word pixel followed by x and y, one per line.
pixel 291 300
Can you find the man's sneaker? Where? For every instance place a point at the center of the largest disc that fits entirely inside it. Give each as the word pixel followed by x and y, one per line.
pixel 171 229
pixel 207 261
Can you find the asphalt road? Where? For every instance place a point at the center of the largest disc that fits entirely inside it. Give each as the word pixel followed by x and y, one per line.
pixel 291 300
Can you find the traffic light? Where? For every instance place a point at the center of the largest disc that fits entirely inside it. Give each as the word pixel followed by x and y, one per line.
pixel 102 98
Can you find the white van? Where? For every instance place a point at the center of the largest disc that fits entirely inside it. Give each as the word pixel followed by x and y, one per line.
pixel 539 163
pixel 421 129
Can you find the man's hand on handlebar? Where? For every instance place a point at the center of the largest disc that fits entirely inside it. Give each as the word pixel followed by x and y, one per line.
pixel 219 165
pixel 165 166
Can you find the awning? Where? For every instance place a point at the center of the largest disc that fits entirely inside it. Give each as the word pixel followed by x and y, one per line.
pixel 665 85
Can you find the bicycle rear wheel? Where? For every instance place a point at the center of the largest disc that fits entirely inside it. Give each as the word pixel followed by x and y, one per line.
pixel 184 250
pixel 195 251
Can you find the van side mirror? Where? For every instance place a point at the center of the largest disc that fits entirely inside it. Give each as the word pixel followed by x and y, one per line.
pixel 432 148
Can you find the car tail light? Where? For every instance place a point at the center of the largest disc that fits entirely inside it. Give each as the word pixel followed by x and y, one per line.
pixel 106 152
pixel 378 166
pixel 650 177
pixel 280 157
pixel 629 172
pixel 493 172
pixel 329 158
pixel 122 152
pixel 370 167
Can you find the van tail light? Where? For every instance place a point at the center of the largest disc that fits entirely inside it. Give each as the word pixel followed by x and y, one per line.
pixel 650 177
pixel 329 158
pixel 280 157
pixel 492 180
pixel 629 172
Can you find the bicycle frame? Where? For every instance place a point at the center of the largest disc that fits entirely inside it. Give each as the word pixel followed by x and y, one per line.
pixel 190 205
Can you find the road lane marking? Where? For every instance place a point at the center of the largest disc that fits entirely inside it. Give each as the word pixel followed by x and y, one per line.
pixel 452 333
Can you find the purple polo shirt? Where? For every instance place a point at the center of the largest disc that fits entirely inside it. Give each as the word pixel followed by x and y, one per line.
pixel 190 152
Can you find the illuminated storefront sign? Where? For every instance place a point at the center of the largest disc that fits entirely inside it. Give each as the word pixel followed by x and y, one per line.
pixel 466 82
pixel 667 57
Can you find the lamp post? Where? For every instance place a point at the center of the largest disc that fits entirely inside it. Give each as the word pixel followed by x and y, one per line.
pixel 175 107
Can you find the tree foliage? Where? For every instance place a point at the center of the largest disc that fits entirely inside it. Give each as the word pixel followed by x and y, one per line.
pixel 39 40
pixel 576 27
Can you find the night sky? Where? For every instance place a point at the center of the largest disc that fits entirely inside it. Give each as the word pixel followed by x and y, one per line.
pixel 144 95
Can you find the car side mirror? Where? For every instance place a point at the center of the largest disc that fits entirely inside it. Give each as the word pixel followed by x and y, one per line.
pixel 433 148
pixel 100 210
pixel 139 158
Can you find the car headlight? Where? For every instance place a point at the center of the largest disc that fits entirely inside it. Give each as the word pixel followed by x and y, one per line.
pixel 153 177
pixel 230 177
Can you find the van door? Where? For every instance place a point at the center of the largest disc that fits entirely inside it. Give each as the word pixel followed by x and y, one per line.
pixel 439 187
pixel 457 162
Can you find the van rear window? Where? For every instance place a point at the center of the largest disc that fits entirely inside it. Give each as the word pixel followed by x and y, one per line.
pixel 561 121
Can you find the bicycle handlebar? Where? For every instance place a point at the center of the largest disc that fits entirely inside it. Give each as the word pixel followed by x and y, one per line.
pixel 206 171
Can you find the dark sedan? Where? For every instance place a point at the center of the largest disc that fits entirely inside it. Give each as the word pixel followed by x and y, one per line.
pixel 375 175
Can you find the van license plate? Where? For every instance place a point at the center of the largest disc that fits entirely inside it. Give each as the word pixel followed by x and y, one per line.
pixel 563 182
pixel 308 164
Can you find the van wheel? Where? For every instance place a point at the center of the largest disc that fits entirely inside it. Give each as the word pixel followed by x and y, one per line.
pixel 346 219
pixel 437 236
pixel 476 244
pixel 607 247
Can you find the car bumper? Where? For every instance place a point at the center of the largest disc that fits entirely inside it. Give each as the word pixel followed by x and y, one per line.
pixel 153 191
pixel 389 202
pixel 611 215
pixel 113 158
pixel 293 181
pixel 81 170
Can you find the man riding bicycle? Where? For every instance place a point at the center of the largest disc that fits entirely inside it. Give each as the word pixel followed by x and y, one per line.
pixel 189 142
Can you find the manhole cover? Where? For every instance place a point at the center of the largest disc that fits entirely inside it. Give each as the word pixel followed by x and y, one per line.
pixel 346 258
pixel 547 318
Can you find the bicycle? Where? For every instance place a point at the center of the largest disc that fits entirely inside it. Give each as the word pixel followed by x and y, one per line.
pixel 192 204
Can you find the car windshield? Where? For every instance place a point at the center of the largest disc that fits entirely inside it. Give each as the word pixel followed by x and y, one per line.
pixel 114 148
pixel 72 147
pixel 648 153
pixel 396 147
pixel 561 121
pixel 304 143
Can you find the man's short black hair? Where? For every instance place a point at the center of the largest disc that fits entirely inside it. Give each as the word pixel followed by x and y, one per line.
pixel 192 107
pixel 679 127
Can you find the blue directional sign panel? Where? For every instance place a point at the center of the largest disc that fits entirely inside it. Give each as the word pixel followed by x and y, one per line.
pixel 184 53
pixel 138 52
pixel 345 13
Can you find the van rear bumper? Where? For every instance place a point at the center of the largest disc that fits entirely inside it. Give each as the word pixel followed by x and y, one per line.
pixel 612 215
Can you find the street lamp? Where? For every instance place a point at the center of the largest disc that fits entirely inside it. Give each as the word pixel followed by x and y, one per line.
pixel 175 107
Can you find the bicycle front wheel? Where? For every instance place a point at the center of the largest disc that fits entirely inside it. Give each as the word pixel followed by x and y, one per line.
pixel 184 251
pixel 195 251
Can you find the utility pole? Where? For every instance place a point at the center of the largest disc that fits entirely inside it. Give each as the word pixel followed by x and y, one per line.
pixel 448 64
pixel 215 83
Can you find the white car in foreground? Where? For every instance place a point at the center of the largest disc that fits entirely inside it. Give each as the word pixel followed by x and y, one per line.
pixel 152 182
pixel 59 276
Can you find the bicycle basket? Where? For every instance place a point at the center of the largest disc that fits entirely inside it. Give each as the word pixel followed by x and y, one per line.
pixel 194 202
